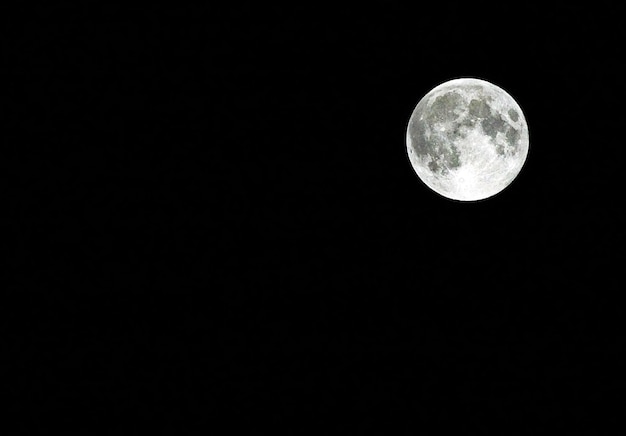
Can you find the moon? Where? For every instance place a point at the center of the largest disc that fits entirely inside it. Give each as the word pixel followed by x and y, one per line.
pixel 467 139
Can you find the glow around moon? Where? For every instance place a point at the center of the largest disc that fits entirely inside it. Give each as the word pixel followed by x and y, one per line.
pixel 467 139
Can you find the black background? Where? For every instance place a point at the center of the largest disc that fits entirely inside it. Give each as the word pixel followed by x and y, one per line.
pixel 213 219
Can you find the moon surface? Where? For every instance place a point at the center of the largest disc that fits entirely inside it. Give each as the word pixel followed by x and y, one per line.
pixel 467 139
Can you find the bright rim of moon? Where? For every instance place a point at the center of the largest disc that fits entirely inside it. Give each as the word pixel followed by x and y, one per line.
pixel 467 139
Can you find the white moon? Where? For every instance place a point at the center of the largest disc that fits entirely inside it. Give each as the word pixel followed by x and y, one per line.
pixel 467 139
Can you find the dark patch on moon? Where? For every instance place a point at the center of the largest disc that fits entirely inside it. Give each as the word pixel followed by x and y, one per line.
pixel 439 149
pixel 444 159
pixel 468 122
pixel 479 108
pixel 417 131
pixel 513 136
pixel 494 124
pixel 453 157
pixel 443 108
pixel 445 154
pixel 455 133
pixel 433 165
pixel 513 114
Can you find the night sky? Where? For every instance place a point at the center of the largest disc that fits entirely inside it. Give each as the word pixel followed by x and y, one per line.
pixel 213 219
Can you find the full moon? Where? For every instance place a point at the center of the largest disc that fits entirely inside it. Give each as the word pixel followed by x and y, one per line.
pixel 467 139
